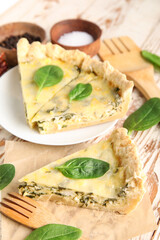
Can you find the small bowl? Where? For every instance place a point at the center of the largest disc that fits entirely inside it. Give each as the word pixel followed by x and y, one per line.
pixel 71 25
pixel 18 28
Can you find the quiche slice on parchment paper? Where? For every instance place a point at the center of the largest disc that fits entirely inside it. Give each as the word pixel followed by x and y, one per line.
pixel 120 189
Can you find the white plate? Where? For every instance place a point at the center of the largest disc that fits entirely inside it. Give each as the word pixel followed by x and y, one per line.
pixel 12 117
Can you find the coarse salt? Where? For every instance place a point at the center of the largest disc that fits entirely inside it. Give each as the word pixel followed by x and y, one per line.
pixel 76 38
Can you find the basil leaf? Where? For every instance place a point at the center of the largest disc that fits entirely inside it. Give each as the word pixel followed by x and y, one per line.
pixel 145 117
pixel 47 76
pixel 153 58
pixel 83 168
pixel 80 91
pixel 7 173
pixel 55 232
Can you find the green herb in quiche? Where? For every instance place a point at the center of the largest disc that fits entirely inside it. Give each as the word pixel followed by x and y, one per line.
pixel 83 168
pixel 7 173
pixel 55 232
pixel 153 58
pixel 47 76
pixel 80 91
pixel 145 117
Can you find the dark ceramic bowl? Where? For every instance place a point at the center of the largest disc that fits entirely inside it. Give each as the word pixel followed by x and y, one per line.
pixel 70 25
pixel 18 28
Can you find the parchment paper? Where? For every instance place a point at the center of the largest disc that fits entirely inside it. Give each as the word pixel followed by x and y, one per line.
pixel 96 225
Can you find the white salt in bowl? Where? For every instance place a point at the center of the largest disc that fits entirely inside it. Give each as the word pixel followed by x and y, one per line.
pixel 77 34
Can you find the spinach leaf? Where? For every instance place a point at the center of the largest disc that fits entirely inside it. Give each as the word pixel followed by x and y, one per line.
pixel 80 91
pixel 153 58
pixel 47 76
pixel 145 117
pixel 55 232
pixel 156 68
pixel 83 168
pixel 7 173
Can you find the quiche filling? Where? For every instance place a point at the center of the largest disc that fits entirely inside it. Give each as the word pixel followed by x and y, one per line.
pixel 30 89
pixel 47 180
pixel 96 193
pixel 83 199
pixel 59 113
pixel 52 110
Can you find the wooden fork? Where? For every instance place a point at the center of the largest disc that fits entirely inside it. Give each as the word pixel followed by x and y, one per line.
pixel 26 211
pixel 125 55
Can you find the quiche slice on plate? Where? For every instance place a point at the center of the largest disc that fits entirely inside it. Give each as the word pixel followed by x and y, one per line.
pixel 120 189
pixel 32 57
pixel 53 111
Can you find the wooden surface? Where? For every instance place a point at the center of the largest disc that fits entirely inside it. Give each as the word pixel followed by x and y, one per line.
pixel 136 68
pixel 140 20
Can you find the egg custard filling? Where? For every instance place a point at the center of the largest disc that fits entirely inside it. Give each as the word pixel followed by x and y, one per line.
pixel 59 113
pixel 120 189
pixel 52 110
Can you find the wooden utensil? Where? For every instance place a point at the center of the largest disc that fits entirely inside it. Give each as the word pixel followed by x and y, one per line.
pixel 26 211
pixel 125 55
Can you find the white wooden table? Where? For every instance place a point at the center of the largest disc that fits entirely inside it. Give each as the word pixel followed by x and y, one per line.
pixel 140 20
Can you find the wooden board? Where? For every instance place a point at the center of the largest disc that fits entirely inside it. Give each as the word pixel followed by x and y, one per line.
pixel 137 19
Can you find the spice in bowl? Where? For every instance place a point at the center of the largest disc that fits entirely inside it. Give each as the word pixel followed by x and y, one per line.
pixel 76 38
pixel 3 64
pixel 11 41
pixel 78 34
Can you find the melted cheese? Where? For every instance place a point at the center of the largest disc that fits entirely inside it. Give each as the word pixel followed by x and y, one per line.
pixel 60 102
pixel 30 89
pixel 108 186
pixel 100 104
